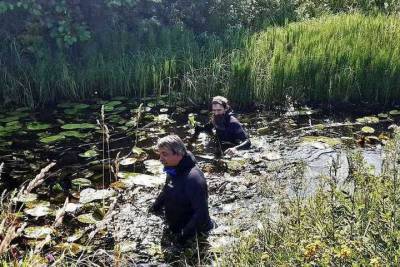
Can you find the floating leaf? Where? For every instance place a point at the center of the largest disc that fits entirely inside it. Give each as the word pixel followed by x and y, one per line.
pixel 35 203
pixel 89 194
pixel 323 139
pixel 26 198
pixel 163 110
pixel 52 138
pixel 89 154
pixel 235 164
pixel 128 161
pixel 368 119
pixel 36 126
pixel 75 134
pixel 139 153
pixel 10 119
pixel 154 166
pixel 70 248
pixel 367 130
pixel 80 106
pixel 72 207
pixel 163 118
pixel 263 130
pixel 271 155
pixel 74 126
pixel 76 236
pixel 130 179
pixel 37 232
pixel 383 115
pixel 38 211
pixel 82 182
pixel 394 112
pixel 113 103
pixel 87 218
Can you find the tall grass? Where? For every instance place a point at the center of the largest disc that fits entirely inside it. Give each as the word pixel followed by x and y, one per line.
pixel 346 58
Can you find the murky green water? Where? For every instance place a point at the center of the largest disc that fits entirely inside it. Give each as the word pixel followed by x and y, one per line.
pixel 75 137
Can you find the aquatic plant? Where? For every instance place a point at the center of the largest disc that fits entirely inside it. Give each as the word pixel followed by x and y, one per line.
pixel 355 222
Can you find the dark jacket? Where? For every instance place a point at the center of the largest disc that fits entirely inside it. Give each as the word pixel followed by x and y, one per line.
pixel 185 199
pixel 233 132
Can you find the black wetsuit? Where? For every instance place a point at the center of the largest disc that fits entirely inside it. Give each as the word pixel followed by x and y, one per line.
pixel 185 199
pixel 231 134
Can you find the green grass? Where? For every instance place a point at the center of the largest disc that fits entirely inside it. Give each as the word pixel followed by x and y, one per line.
pixel 351 224
pixel 344 58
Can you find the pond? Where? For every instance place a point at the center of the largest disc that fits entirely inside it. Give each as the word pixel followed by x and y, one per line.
pixel 107 173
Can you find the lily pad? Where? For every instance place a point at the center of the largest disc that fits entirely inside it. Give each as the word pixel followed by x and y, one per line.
pixel 37 232
pixel 37 126
pixel 163 110
pixel 82 182
pixel 52 138
pixel 38 211
pixel 72 208
pixel 80 106
pixel 131 179
pixel 327 140
pixel 163 118
pixel 75 134
pixel 113 103
pixel 70 248
pixel 74 126
pixel 10 119
pixel 263 130
pixel 271 155
pixel 32 204
pixel 235 164
pixel 139 153
pixel 87 218
pixel 89 194
pixel 154 166
pixel 367 130
pixel 89 154
pixel 76 236
pixel 394 112
pixel 128 161
pixel 368 119
pixel 26 198
pixel 383 115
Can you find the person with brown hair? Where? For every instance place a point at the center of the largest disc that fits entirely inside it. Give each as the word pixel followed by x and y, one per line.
pixel 231 136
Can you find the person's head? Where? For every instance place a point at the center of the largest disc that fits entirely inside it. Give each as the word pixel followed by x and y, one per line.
pixel 171 150
pixel 219 105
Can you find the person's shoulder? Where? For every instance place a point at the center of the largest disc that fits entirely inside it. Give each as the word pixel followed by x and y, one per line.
pixel 195 175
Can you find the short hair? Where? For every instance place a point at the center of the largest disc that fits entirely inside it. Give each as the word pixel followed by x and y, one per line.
pixel 220 100
pixel 173 143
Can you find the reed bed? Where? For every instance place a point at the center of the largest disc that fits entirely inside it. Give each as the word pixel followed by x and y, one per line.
pixel 341 58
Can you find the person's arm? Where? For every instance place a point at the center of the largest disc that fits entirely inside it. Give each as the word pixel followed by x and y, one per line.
pixel 196 189
pixel 241 139
pixel 159 202
pixel 205 128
